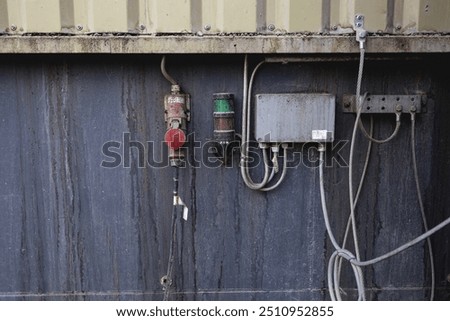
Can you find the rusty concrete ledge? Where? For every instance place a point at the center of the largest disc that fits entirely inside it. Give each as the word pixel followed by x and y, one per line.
pixel 237 44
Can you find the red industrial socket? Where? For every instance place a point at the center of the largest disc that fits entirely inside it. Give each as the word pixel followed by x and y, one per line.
pixel 175 138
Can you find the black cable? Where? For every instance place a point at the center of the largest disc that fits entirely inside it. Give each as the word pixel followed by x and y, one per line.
pixel 167 279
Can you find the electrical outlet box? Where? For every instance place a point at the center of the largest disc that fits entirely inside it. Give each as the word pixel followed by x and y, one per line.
pixel 294 118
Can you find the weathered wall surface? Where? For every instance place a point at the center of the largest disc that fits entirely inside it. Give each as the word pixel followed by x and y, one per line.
pixel 71 229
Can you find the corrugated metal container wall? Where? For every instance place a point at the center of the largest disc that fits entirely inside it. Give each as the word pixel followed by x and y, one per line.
pixel 221 16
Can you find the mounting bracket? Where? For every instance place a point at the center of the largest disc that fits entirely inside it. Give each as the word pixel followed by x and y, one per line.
pixel 379 104
pixel 361 33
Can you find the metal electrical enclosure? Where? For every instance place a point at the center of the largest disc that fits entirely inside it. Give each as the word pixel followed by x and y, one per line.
pixel 294 118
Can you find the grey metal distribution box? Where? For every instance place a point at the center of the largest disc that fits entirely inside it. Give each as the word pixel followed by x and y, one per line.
pixel 294 118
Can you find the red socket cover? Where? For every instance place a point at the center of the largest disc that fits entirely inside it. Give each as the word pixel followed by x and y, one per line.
pixel 175 138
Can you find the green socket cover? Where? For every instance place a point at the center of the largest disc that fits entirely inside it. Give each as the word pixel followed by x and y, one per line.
pixel 223 103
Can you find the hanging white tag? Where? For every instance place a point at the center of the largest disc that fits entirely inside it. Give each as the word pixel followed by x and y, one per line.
pixel 178 201
pixel 185 212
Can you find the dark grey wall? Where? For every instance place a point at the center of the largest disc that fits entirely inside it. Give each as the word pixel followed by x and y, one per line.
pixel 71 229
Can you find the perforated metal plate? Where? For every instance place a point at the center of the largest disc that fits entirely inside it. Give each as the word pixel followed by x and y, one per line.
pixel 386 104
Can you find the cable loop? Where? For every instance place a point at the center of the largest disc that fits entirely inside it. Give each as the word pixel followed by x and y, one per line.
pixel 382 141
pixel 345 254
pixel 246 122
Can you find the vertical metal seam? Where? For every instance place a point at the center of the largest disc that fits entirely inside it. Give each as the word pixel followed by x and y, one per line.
pixel 261 15
pixel 23 15
pixel 390 16
pixel 133 23
pixel 196 16
pixel 66 14
pixel 4 17
pixel 326 16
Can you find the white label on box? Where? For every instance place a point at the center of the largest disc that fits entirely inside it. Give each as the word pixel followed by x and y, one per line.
pixel 319 134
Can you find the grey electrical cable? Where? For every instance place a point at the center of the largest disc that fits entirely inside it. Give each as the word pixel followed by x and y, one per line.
pixel 246 137
pixel 347 255
pixel 356 271
pixel 246 176
pixel 332 276
pixel 382 141
pixel 165 73
pixel 283 174
pixel 247 134
pixel 334 266
pixel 323 200
pixel 339 251
pixel 361 183
pixel 352 147
pixel 358 122
pixel 272 175
pixel 352 218
pixel 358 192
pixel 244 122
pixel 249 96
pixel 274 168
pixel 419 198
pixel 246 116
pixel 405 246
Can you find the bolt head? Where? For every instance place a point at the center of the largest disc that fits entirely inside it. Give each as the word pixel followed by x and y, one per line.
pixel 359 17
pixel 207 27
pixel 413 109
pixel 165 281
pixel 363 34
pixel 13 27
pixel 271 27
pixel 398 108
pixel 359 24
pixel 79 27
pixel 334 28
pixel 142 26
